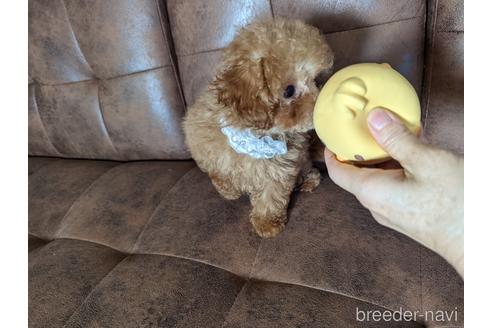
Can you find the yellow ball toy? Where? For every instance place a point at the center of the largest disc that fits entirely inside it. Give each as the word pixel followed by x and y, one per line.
pixel 340 113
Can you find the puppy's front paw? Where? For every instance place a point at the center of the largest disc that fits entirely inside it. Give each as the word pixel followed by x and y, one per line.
pixel 267 227
pixel 310 180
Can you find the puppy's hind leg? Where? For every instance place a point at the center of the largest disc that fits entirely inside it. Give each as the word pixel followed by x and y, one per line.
pixel 269 213
pixel 225 187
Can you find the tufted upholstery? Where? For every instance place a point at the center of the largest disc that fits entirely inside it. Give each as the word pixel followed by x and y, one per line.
pixel 151 243
pixel 445 80
pixel 101 81
pixel 357 32
pixel 166 252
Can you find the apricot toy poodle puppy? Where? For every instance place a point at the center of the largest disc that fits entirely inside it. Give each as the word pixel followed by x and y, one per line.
pixel 250 130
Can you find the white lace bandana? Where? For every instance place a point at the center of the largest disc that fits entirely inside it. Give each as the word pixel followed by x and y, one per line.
pixel 246 142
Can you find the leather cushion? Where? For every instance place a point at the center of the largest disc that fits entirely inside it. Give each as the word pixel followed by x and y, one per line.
pixel 74 283
pixel 374 31
pixel 171 209
pixel 102 82
pixel 444 122
pixel 63 273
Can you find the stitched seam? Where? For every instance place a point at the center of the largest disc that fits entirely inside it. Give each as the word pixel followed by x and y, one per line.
pixel 194 260
pixel 62 221
pixel 170 48
pixel 137 240
pixel 64 83
pixel 39 237
pixel 93 289
pixel 248 279
pixel 221 48
pixel 431 63
pixel 201 52
pixel 374 25
pixel 103 121
pixel 45 164
pixel 402 8
pixel 33 259
pixel 331 291
pixel 31 252
pixel 423 83
pixel 327 33
pixel 226 316
pixel 136 73
pixel 42 123
pixel 423 9
pixel 182 257
pixel 105 79
pixel 450 31
pixel 75 37
pixel 271 9
pixel 255 259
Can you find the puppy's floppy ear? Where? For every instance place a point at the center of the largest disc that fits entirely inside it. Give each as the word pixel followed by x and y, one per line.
pixel 243 85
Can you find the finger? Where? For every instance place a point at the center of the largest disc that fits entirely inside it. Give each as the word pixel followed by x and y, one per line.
pixel 396 139
pixel 344 175
pixel 370 186
pixel 385 221
pixel 388 165
pixel 382 220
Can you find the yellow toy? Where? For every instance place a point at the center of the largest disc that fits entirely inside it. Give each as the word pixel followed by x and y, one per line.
pixel 343 104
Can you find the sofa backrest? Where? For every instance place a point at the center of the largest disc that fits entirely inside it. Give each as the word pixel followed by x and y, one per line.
pixel 376 31
pixel 101 81
pixel 444 75
pixel 111 79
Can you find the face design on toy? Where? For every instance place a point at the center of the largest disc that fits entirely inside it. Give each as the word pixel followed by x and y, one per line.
pixel 349 98
pixel 350 101
pixel 346 100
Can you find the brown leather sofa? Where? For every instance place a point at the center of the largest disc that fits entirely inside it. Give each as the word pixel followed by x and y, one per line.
pixel 124 229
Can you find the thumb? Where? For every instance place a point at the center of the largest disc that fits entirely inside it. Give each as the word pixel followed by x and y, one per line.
pixel 394 137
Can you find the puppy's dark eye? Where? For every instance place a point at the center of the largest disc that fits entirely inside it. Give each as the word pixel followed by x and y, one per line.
pixel 289 91
pixel 321 78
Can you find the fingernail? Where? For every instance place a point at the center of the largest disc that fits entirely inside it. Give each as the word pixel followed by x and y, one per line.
pixel 378 119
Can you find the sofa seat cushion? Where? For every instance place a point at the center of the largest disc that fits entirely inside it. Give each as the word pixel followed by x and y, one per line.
pixel 135 244
pixel 75 283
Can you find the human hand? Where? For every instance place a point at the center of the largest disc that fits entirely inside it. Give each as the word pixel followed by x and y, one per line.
pixel 423 199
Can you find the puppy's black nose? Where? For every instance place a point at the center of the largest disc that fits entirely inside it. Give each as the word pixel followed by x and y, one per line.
pixel 322 77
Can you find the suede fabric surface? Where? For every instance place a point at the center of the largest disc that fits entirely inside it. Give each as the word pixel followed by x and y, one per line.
pixel 124 231
pixel 168 250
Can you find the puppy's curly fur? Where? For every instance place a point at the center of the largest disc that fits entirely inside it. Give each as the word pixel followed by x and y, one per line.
pixel 249 92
